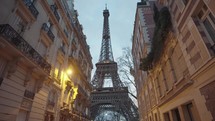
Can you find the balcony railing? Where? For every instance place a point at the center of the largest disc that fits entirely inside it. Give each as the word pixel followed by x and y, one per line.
pixel 10 35
pixel 29 94
pixel 54 10
pixel 48 30
pixel 31 7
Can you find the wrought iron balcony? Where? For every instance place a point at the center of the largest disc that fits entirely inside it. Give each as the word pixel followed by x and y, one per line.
pixel 10 35
pixel 54 10
pixel 48 30
pixel 31 7
pixel 29 94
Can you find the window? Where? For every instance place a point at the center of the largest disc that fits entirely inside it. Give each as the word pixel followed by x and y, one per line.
pixel 210 29
pixel 150 118
pixel 29 2
pixel 158 89
pixel 22 115
pixel 2 68
pixel 49 116
pixel 54 9
pixel 50 2
pixel 212 18
pixel 1 80
pixel 52 96
pixel 156 117
pixel 80 57
pixel 18 23
pixel 63 48
pixel 176 115
pixel 66 92
pixel 49 25
pixel 31 85
pixel 178 63
pixel 188 110
pixel 208 22
pixel 166 116
pixel 162 83
pixel 30 88
pixel 66 32
pixel 58 68
pixel 42 49
pixel 185 2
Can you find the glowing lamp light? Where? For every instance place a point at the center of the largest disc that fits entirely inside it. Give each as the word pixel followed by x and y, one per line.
pixel 69 71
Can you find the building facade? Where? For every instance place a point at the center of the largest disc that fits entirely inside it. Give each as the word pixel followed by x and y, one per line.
pixel 45 63
pixel 141 44
pixel 180 85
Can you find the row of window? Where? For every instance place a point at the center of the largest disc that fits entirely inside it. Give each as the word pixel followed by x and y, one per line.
pixel 20 25
pixel 176 68
pixel 207 21
pixel 185 112
pixel 204 19
pixel 172 72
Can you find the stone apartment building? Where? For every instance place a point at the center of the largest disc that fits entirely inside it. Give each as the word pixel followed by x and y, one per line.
pixel 180 85
pixel 141 44
pixel 45 62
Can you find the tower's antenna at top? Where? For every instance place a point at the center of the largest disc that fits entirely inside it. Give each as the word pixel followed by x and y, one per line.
pixel 106 6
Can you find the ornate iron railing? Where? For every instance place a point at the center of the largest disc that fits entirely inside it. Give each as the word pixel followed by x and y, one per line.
pixel 48 30
pixel 54 10
pixel 29 94
pixel 31 7
pixel 10 35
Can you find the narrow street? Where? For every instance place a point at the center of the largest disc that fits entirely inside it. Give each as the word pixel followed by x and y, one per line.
pixel 107 60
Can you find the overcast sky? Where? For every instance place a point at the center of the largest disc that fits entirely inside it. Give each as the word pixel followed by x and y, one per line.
pixel 121 21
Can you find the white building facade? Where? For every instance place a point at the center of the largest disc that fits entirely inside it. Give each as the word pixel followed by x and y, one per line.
pixel 36 43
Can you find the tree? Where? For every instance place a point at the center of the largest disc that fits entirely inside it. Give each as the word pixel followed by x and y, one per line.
pixel 162 28
pixel 156 13
pixel 126 70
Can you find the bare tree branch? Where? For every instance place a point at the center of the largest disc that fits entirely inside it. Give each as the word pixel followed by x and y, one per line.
pixel 126 70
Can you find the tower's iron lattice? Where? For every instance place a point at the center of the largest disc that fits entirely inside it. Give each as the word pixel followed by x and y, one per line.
pixel 110 98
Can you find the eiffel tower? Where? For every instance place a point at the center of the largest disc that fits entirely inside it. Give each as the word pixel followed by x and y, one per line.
pixel 113 98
